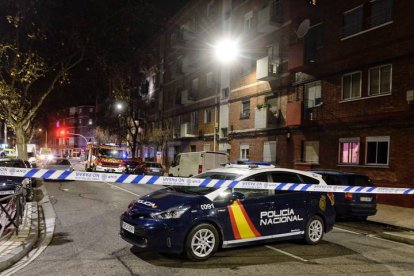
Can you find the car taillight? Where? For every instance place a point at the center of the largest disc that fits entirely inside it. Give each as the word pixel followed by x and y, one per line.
pixel 348 196
pixel 200 168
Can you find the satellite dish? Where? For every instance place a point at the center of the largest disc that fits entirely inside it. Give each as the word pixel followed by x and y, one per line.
pixel 303 28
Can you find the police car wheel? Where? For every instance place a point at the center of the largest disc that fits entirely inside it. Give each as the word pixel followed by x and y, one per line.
pixel 314 230
pixel 202 242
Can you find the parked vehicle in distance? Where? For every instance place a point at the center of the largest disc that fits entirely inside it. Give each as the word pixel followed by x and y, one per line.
pixel 8 153
pixel 9 183
pixel 149 168
pixel 131 164
pixel 198 220
pixel 193 163
pixel 58 163
pixel 351 205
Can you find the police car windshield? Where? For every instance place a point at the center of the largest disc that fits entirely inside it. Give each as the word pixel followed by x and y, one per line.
pixel 205 190
pixel 218 175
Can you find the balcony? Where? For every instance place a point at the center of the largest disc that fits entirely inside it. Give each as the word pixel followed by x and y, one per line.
pixel 187 97
pixel 296 57
pixel 269 19
pixel 265 117
pixel 266 69
pixel 187 130
pixel 294 113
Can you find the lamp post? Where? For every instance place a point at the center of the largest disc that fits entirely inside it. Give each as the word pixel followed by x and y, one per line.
pixel 41 130
pixel 225 51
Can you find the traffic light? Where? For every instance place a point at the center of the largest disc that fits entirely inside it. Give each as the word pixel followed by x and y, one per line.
pixel 61 132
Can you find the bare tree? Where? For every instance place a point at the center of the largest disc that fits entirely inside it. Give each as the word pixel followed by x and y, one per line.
pixel 27 77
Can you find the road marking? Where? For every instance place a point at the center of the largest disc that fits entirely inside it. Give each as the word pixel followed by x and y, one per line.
pixel 369 236
pixel 125 190
pixel 287 253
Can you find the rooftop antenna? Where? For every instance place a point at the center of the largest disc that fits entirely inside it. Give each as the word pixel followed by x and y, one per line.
pixel 303 28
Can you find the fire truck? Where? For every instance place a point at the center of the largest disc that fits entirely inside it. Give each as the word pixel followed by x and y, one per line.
pixel 105 158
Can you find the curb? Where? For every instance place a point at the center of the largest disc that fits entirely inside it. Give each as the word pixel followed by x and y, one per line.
pixel 402 237
pixel 17 246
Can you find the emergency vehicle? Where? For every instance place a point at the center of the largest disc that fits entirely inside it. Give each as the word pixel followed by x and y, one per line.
pixel 198 220
pixel 105 158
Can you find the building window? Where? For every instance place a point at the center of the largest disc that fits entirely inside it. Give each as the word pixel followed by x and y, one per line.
pixel 209 80
pixel 351 86
pixel 381 12
pixel 90 121
pixel 269 151
pixel 244 152
pixel 377 150
pixel 313 94
pixel 380 80
pixel 225 93
pixel 72 111
pixel 210 8
pixel 349 150
pixel 90 109
pixel 193 122
pixel 311 151
pixel 224 131
pixel 245 109
pixel 193 148
pixel 313 44
pixel 248 22
pixel 207 116
pixel 353 21
pixel 194 89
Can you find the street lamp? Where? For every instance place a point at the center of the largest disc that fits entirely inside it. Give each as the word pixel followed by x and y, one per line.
pixel 41 130
pixel 226 50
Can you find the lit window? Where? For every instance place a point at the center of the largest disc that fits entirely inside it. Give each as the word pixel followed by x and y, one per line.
pixel 349 150
pixel 380 80
pixel 90 122
pixel 351 86
pixel 377 150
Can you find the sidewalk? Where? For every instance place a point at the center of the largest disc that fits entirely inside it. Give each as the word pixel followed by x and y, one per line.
pixel 398 217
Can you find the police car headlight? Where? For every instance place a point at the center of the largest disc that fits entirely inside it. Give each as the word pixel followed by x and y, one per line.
pixel 172 213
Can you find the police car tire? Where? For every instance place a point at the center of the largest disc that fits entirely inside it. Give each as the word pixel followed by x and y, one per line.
pixel 314 231
pixel 208 231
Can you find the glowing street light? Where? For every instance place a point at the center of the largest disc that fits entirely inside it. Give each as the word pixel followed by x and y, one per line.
pixel 226 50
pixel 119 106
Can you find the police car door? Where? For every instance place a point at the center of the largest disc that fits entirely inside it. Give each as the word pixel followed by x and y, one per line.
pixel 245 213
pixel 289 212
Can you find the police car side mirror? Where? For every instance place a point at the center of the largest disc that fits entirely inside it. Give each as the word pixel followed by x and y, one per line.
pixel 236 196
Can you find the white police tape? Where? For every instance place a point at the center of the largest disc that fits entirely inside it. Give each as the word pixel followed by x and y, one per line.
pixel 194 182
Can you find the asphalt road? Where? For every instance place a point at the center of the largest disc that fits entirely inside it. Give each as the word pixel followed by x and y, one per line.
pixel 86 242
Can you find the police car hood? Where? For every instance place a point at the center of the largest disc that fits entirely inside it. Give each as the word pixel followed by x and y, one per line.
pixel 165 199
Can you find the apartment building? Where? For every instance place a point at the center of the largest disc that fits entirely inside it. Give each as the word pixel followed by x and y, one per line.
pixel 317 84
pixel 70 129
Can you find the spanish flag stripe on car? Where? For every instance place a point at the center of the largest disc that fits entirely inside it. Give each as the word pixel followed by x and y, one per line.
pixel 241 224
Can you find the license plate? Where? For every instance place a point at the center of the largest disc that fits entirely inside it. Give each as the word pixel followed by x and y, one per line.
pixel 155 170
pixel 10 192
pixel 365 199
pixel 128 227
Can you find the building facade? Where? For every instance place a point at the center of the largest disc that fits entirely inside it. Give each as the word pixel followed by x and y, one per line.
pixel 71 129
pixel 317 84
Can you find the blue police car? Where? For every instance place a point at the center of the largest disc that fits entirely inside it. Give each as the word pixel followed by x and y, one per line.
pixel 198 221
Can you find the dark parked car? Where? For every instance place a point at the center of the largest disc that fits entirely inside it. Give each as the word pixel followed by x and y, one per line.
pixel 9 183
pixel 351 205
pixel 132 164
pixel 150 168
